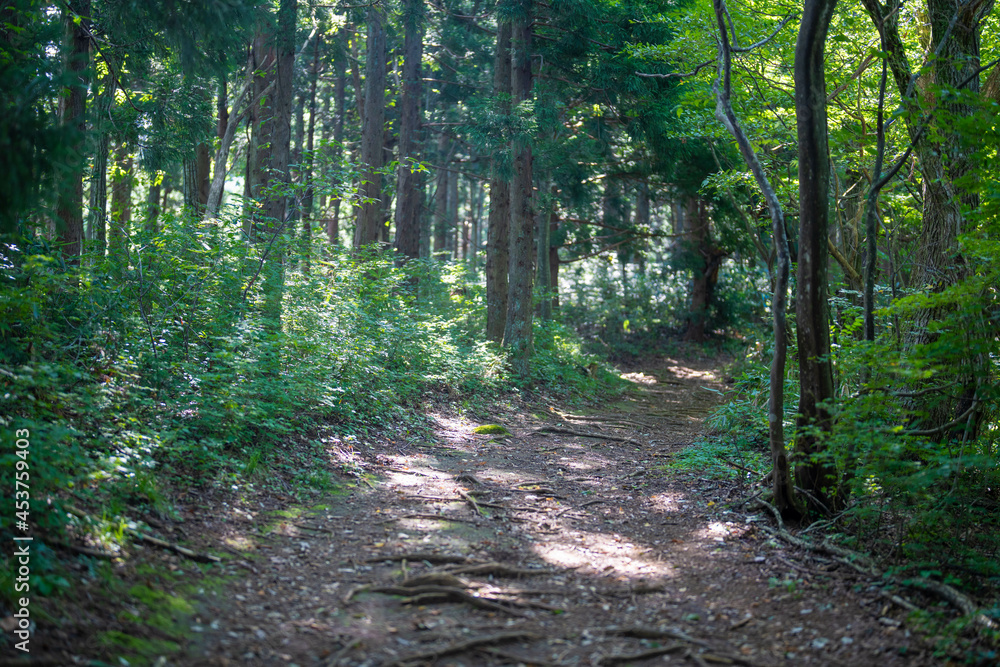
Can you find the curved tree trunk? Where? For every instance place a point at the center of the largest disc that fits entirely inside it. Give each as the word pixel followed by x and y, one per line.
pixel 72 113
pixel 784 499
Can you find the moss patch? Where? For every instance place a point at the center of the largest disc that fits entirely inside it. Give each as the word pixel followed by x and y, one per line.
pixel 490 429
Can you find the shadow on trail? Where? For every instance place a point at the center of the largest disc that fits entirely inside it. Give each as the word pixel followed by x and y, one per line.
pixel 549 548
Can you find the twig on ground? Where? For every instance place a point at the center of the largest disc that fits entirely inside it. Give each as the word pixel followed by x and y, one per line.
pixel 498 570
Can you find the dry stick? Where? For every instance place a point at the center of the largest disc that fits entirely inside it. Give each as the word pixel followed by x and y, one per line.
pixel 156 542
pixel 428 515
pixel 582 434
pixel 956 598
pixel 462 647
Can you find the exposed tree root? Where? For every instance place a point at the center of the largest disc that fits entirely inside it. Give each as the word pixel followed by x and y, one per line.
pixel 616 659
pixel 862 564
pixel 462 647
pixel 498 570
pixel 421 556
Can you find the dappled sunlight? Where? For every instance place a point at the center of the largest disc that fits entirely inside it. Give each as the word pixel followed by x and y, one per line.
pixel 639 378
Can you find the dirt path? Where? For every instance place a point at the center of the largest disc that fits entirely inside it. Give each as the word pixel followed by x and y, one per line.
pixel 543 548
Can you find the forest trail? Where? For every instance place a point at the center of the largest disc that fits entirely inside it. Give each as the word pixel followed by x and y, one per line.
pixel 544 547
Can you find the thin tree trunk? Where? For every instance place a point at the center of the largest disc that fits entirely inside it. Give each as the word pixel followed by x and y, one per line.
pixel 498 231
pixel 518 332
pixel 784 497
pixel 232 120
pixel 454 224
pixel 369 223
pixel 72 114
pixel 814 471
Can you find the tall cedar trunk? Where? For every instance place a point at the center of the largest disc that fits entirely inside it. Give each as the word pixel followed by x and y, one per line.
pixel 784 497
pixel 409 189
pixel 814 470
pixel 707 259
pixel 943 160
pixel 498 232
pixel 370 210
pixel 98 214
pixel 153 203
pixel 310 160
pixel 203 174
pixel 441 197
pixel 518 334
pixel 453 223
pixel 340 109
pixel 121 205
pixel 275 206
pixel 72 113
pixel 263 72
pixel 543 247
pixel 221 110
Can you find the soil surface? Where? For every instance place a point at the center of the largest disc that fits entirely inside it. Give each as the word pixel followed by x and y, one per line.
pixel 564 542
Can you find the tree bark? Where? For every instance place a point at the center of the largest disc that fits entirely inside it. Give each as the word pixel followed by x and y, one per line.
pixel 409 189
pixel 814 471
pixel 72 113
pixel 369 224
pixel 518 332
pixel 340 110
pixel 228 133
pixel 706 258
pixel 498 232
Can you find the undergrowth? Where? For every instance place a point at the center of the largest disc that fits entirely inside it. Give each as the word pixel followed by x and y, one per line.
pixel 128 373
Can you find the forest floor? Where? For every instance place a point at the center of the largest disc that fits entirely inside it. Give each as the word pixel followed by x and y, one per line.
pixel 566 542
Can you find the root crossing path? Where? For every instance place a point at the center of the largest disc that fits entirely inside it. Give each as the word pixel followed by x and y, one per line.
pixel 568 542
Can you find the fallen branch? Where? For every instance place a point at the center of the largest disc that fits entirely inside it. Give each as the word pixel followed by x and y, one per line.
pixel 472 501
pixel 582 434
pixel 148 539
pixel 462 647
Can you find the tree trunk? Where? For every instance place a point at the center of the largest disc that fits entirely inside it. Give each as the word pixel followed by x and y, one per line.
pixel 121 205
pixel 409 190
pixel 441 197
pixel 784 497
pixel 454 224
pixel 340 109
pixel 72 114
pixel 546 219
pixel 814 471
pixel 706 259
pixel 498 232
pixel 310 160
pixel 518 334
pixel 943 159
pixel 369 224
pixel 228 133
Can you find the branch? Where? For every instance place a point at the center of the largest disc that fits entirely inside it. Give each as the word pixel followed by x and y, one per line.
pixel 757 45
pixel 676 75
